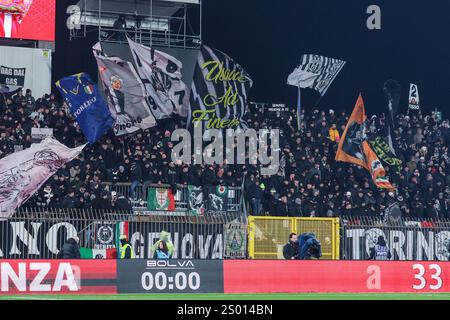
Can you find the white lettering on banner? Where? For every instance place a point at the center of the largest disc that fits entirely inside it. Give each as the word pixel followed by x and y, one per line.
pixel 410 244
pixel 65 277
pixel 6 71
pixel 204 249
pixel 19 280
pixel 176 241
pixel 36 284
pixel 137 240
pixel 19 231
pixel 374 280
pixel 420 244
pixel 52 235
pixel 218 248
pixel 84 106
pixel 152 237
pixel 355 235
pixel 423 244
pixel 396 243
pixel 188 238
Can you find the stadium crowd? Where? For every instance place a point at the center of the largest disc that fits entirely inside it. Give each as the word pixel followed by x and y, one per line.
pixel 309 183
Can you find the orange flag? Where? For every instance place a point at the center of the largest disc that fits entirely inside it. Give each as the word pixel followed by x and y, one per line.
pixel 354 148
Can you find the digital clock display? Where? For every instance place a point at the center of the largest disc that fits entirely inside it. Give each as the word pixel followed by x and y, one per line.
pixel 159 276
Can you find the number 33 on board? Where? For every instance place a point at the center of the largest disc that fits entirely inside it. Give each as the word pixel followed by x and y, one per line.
pixel 435 271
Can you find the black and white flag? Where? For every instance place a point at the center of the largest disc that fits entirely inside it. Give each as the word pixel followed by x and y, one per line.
pixel 161 75
pixel 316 72
pixel 220 89
pixel 125 94
pixel 392 93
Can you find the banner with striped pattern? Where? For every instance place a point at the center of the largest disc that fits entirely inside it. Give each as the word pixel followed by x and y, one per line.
pixel 316 72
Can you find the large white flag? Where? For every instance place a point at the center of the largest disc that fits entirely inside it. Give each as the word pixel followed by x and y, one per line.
pixel 24 172
pixel 161 75
pixel 316 72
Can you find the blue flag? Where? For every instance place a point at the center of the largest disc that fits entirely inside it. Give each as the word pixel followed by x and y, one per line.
pixel 86 105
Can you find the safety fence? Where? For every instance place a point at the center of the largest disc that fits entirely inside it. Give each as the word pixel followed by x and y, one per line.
pixel 268 235
pixel 220 276
pixel 407 239
pixel 40 234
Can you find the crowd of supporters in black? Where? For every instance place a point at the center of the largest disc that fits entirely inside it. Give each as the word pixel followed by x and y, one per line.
pixel 309 183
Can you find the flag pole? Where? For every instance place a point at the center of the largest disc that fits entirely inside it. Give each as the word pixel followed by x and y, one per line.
pixel 299 106
pixel 318 101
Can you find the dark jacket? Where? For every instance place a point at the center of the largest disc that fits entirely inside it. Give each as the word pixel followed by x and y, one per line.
pixel 70 250
pixel 381 243
pixel 291 250
pixel 281 209
pixel 127 250
pixel 309 247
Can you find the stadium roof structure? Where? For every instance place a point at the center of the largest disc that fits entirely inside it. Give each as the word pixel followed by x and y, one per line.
pixel 164 23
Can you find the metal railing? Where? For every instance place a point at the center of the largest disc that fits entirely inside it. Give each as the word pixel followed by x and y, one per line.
pixel 40 234
pixel 406 238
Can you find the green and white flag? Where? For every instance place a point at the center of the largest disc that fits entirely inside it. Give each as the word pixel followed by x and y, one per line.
pixel 196 203
pixel 218 200
pixel 160 199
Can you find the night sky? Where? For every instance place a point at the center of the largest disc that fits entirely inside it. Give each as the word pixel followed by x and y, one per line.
pixel 268 38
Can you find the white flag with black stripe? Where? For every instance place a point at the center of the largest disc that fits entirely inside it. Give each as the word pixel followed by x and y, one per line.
pixel 315 72
pixel 161 75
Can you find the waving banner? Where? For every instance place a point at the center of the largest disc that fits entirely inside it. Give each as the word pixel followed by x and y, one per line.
pixel 161 75
pixel 354 147
pixel 391 91
pixel 125 93
pixel 23 173
pixel 381 148
pixel 316 72
pixel 219 91
pixel 86 105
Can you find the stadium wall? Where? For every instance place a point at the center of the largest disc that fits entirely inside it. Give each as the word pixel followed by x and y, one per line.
pixel 219 276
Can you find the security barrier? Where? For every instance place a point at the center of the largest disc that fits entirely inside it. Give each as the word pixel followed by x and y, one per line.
pixel 268 235
pixel 406 239
pixel 40 234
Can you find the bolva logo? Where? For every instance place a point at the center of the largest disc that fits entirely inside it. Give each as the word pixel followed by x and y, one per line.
pixel 167 264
